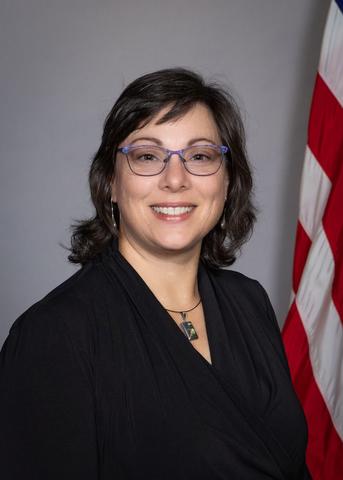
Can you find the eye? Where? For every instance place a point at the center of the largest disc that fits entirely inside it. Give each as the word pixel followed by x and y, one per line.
pixel 200 156
pixel 146 155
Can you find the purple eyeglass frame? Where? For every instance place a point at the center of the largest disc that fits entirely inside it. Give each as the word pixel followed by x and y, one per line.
pixel 126 149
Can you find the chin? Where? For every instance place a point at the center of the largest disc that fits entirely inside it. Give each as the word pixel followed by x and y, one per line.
pixel 180 246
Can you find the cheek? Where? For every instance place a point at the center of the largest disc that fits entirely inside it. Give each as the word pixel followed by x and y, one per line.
pixel 218 190
pixel 128 190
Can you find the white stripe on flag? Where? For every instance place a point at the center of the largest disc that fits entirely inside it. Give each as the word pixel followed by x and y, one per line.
pixel 330 63
pixel 323 325
pixel 315 190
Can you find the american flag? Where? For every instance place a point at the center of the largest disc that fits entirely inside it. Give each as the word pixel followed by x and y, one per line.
pixel 313 331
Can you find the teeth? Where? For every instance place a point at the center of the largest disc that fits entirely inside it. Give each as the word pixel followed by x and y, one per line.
pixel 172 210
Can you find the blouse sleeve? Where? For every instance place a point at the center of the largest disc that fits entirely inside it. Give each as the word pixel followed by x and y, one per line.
pixel 273 328
pixel 275 332
pixel 46 405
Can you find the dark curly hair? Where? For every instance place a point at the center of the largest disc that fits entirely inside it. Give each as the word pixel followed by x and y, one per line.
pixel 138 104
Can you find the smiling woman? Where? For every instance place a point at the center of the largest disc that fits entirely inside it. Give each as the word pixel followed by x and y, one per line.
pixel 152 361
pixel 150 103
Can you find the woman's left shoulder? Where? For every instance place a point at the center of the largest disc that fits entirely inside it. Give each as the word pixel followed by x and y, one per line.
pixel 249 298
pixel 240 286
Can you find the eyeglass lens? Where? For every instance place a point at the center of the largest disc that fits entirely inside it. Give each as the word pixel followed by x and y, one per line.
pixel 151 160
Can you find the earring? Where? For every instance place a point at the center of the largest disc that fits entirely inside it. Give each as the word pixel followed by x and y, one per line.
pixel 223 220
pixel 113 219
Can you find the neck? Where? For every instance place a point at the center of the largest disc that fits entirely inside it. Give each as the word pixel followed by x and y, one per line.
pixel 172 278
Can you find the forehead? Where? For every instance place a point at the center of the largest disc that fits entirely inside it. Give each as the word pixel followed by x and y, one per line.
pixel 197 122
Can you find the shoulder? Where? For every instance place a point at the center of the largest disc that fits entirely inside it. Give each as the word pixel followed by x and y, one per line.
pixel 244 290
pixel 66 314
pixel 239 285
pixel 249 298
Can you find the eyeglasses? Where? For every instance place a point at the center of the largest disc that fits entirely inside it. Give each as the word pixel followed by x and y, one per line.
pixel 149 160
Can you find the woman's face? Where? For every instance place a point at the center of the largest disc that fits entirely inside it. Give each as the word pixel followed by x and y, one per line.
pixel 145 224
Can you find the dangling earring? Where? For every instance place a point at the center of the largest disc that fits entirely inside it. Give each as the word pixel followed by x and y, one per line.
pixel 223 222
pixel 113 219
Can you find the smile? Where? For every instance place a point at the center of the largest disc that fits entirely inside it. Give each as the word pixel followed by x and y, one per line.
pixel 172 211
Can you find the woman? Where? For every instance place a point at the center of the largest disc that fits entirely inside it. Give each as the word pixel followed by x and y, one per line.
pixel 151 362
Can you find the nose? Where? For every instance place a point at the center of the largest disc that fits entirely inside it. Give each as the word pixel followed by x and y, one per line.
pixel 175 176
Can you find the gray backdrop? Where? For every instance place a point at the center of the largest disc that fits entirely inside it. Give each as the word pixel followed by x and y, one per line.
pixel 64 62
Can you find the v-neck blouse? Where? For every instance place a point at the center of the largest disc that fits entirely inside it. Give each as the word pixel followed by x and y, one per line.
pixel 97 381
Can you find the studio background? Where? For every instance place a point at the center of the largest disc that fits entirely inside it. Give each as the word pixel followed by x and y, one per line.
pixel 64 62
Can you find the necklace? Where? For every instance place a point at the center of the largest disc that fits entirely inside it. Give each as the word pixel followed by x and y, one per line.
pixel 186 325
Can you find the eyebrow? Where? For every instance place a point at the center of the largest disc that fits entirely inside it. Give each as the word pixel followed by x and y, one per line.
pixel 159 142
pixel 149 139
pixel 202 139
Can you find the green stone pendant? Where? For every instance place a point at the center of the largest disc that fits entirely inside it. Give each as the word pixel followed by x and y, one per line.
pixel 187 328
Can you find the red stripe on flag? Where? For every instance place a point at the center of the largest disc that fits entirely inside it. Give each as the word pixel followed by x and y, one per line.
pixel 302 247
pixel 326 143
pixel 325 130
pixel 325 448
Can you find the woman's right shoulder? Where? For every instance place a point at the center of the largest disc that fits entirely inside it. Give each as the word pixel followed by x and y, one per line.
pixel 69 310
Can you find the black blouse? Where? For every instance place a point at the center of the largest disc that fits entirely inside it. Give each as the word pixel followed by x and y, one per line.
pixel 98 382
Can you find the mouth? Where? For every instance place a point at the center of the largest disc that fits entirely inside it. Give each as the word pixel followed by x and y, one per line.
pixel 179 212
